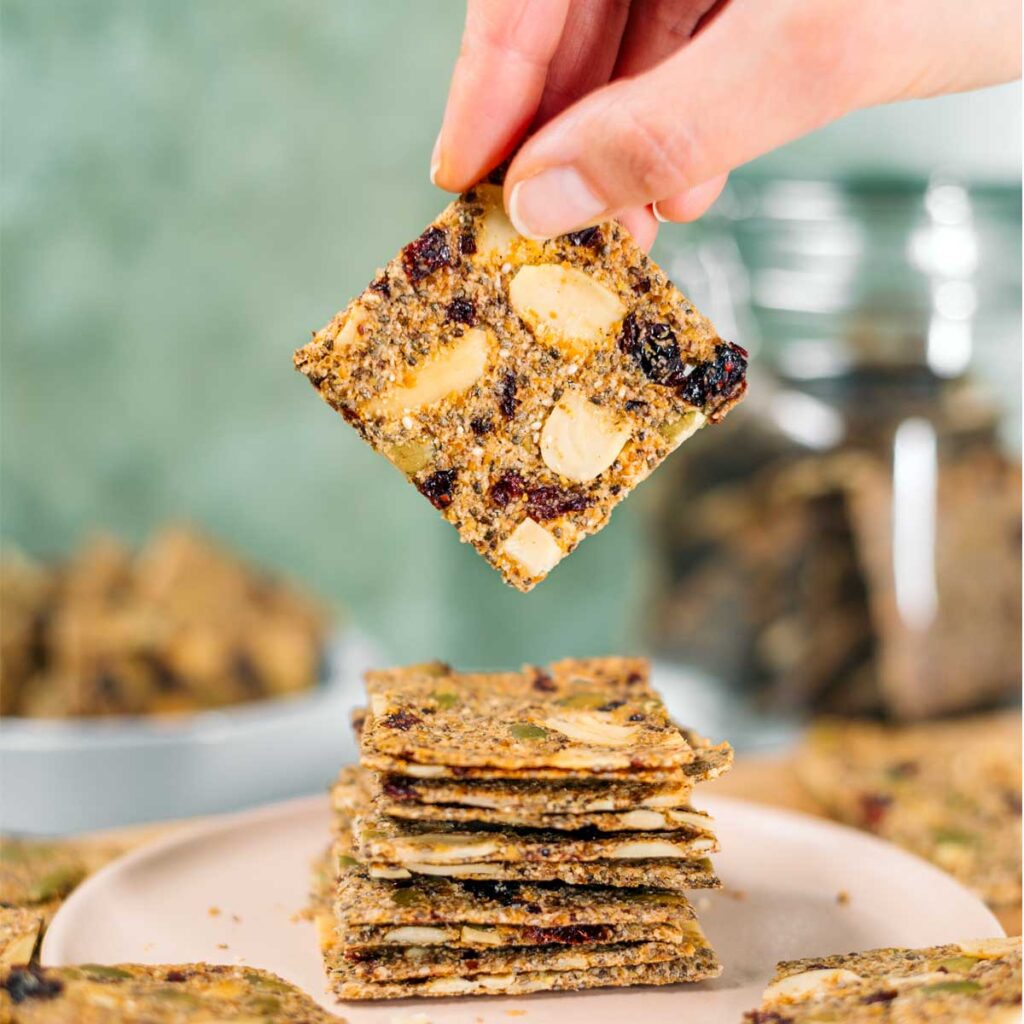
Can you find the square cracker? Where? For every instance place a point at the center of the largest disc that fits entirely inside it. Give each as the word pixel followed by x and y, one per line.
pixel 583 722
pixel 523 387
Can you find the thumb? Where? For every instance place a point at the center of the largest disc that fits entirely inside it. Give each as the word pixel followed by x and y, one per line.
pixel 743 86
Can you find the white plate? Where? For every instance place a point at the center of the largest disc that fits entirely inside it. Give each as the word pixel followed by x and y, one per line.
pixel 76 775
pixel 783 874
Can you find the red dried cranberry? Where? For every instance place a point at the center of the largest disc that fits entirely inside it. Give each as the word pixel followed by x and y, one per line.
pixel 550 502
pixel 428 253
pixel 472 963
pixel 24 983
pixel 716 381
pixel 654 349
pixel 589 238
pixel 885 996
pixel 398 790
pixel 567 935
pixel 461 311
pixel 506 392
pixel 175 976
pixel 634 678
pixel 507 488
pixel 873 807
pixel 402 720
pixel 543 682
pixel 765 1017
pixel 467 243
pixel 439 487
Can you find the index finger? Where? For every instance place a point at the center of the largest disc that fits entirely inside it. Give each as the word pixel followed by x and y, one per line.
pixel 496 86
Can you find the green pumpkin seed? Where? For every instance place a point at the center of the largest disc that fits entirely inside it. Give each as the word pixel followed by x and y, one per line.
pixel 587 699
pixel 951 986
pixel 526 731
pixel 103 971
pixel 445 699
pixel 958 963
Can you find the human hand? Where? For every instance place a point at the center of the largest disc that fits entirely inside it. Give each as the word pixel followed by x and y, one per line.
pixel 638 110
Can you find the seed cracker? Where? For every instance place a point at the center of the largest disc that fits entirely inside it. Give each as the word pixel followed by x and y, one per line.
pixel 523 387
pixel 972 982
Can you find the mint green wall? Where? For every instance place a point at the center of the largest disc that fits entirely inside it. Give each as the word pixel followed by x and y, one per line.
pixel 188 189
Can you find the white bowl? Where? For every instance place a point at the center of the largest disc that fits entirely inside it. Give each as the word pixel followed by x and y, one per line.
pixel 70 775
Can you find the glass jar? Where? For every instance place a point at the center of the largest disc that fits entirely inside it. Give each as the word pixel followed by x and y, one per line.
pixel 849 538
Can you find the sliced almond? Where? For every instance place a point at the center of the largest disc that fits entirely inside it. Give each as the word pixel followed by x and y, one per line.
pixel 326 935
pixel 384 872
pixel 482 870
pixel 415 935
pixel 441 848
pixel 988 948
pixel 480 936
pixel 647 848
pixel 564 306
pixel 809 983
pixel 352 331
pixel 593 728
pixel 456 367
pixel 580 440
pixel 494 234
pixel 378 705
pixel 643 820
pixel 536 551
pixel 425 771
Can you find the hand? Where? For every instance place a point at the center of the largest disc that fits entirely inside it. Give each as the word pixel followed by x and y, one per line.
pixel 638 110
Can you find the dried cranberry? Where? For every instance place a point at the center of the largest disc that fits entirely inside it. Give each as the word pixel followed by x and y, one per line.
pixel 550 502
pixel 362 956
pixel 507 488
pixel 461 311
pixel 175 976
pixel 634 678
pixel 472 963
pixel 398 790
pixel 543 682
pixel 765 1017
pixel 590 238
pixel 567 935
pixel 873 807
pixel 506 392
pixel 505 893
pixel 481 425
pixel 23 983
pixel 381 285
pixel 719 379
pixel 885 996
pixel 439 487
pixel 654 349
pixel 467 243
pixel 401 719
pixel 428 253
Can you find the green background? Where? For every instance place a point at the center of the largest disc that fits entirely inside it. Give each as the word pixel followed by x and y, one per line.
pixel 188 189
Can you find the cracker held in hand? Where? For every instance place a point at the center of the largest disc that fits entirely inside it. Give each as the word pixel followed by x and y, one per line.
pixel 523 387
pixel 972 982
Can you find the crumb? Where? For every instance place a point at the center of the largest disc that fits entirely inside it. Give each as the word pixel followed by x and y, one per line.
pixel 739 895
pixel 222 945
pixel 515 1013
pixel 236 919
pixel 214 911
pixel 411 1018
pixel 842 897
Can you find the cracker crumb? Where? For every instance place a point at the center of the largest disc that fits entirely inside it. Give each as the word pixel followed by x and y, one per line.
pixel 739 895
pixel 214 911
pixel 842 897
pixel 222 945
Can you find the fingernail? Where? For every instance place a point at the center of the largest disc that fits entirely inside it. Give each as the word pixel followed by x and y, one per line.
pixel 658 216
pixel 435 160
pixel 553 202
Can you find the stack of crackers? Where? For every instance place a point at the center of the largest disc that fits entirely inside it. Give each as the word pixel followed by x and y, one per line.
pixel 517 832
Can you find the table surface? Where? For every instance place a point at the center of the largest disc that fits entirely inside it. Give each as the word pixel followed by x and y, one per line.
pixel 766 780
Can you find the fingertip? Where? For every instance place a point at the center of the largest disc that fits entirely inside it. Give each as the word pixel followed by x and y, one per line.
pixel 692 203
pixel 640 222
